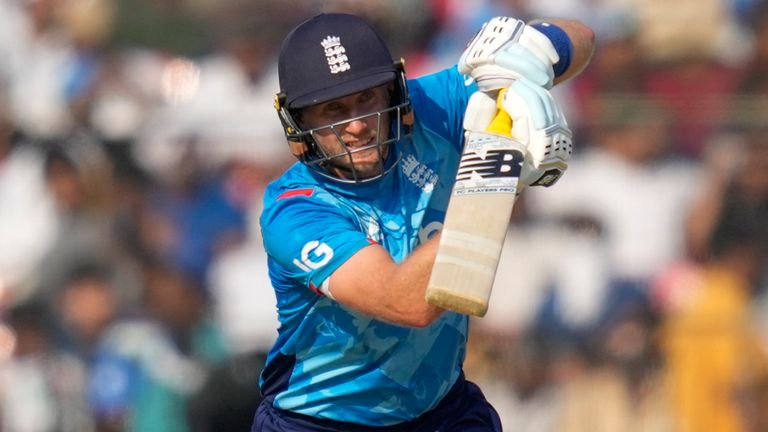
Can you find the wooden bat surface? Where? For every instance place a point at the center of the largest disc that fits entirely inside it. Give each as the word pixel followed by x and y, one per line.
pixel 476 220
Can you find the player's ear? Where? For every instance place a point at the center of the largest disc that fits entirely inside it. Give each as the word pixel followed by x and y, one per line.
pixel 408 118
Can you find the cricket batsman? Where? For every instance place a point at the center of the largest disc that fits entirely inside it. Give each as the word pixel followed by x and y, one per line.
pixel 352 228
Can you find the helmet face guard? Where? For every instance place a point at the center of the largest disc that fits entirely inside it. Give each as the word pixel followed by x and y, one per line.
pixel 340 166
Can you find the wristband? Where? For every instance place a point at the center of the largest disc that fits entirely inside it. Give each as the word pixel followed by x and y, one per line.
pixel 562 44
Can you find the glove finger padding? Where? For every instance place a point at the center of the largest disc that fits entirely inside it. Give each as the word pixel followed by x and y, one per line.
pixel 480 111
pixel 506 49
pixel 519 62
pixel 539 45
pixel 539 123
pixel 492 36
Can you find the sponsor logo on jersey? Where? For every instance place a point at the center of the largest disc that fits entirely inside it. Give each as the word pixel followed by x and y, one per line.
pixel 313 256
pixel 430 229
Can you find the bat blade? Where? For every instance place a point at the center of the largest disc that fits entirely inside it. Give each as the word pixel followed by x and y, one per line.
pixel 476 223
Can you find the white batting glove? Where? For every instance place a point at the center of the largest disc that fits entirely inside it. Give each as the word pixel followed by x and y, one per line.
pixel 539 124
pixel 481 109
pixel 506 49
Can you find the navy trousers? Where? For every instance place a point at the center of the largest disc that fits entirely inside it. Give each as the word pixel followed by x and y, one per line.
pixel 463 409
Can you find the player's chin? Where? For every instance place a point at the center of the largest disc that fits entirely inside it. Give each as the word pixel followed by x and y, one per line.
pixel 368 170
pixel 370 156
pixel 370 165
pixel 361 169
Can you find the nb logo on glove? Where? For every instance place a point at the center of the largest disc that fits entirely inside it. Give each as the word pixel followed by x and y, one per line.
pixel 549 178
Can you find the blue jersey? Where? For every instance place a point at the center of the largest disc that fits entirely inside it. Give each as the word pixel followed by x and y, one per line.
pixel 330 361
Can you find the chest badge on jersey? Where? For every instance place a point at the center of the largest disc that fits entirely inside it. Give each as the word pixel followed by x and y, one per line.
pixel 418 173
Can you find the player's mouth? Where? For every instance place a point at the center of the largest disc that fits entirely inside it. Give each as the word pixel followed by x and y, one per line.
pixel 362 156
pixel 363 151
pixel 360 145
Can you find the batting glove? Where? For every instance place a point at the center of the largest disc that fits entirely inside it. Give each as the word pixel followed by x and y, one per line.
pixel 539 124
pixel 506 49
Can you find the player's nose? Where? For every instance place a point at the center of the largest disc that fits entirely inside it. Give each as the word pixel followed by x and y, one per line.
pixel 355 127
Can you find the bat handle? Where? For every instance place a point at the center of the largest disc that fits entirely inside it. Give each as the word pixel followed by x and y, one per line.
pixel 502 122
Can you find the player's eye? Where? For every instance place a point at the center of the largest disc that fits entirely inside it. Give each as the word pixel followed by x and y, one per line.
pixel 333 107
pixel 367 96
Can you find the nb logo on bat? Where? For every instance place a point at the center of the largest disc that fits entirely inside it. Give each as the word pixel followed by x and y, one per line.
pixel 491 164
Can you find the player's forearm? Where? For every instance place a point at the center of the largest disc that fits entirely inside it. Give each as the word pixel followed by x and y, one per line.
pixel 409 281
pixel 371 283
pixel 583 40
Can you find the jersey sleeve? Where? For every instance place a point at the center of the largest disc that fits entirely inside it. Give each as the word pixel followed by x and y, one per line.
pixel 310 238
pixel 440 100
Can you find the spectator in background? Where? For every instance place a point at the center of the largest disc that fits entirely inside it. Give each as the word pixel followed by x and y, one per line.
pixel 243 304
pixel 711 303
pixel 406 24
pixel 624 387
pixel 629 188
pixel 718 366
pixel 751 99
pixel 170 26
pixel 242 295
pixel 523 375
pixel 695 50
pixel 757 64
pixel 35 69
pixel 79 179
pixel 146 368
pixel 617 70
pixel 42 388
pixel 458 22
pixel 13 25
pixel 224 92
pixel 191 222
pixel 27 219
pixel 535 288
pixel 687 29
pixel 88 25
pixel 528 345
pixel 737 182
pixel 87 305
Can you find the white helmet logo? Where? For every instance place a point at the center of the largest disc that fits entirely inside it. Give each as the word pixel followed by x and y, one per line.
pixel 335 54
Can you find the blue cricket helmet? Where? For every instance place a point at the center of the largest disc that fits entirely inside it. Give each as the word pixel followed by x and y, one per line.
pixel 330 56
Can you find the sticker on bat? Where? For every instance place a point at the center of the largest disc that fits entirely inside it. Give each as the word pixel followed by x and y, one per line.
pixel 489 171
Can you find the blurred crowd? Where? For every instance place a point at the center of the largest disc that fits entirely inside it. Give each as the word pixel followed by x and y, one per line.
pixel 136 138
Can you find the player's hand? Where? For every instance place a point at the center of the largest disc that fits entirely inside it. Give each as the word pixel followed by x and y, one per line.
pixel 506 49
pixel 481 109
pixel 539 124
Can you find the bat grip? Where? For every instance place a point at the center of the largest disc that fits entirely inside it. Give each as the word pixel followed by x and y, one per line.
pixel 502 122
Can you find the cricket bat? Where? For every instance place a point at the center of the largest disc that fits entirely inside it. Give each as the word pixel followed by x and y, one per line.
pixel 478 214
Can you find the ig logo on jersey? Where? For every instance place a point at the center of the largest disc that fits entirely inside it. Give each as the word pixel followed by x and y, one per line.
pixel 314 255
pixel 426 232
